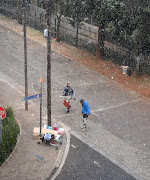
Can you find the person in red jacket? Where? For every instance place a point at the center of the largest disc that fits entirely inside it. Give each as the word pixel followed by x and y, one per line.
pixel 68 92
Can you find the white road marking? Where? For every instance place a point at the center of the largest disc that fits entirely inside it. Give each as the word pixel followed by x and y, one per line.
pixel 73 146
pixel 97 163
pixel 119 105
pixel 65 115
pixel 103 109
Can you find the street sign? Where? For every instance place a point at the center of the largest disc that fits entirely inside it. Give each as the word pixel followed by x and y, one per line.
pixel 2 116
pixel 32 97
pixel 2 113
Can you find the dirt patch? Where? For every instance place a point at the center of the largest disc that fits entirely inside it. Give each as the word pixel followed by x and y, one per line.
pixel 104 67
pixel 140 85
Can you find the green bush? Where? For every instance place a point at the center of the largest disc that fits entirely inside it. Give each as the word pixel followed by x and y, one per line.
pixel 10 131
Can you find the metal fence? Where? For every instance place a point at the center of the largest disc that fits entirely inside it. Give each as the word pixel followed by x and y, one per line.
pixel 86 37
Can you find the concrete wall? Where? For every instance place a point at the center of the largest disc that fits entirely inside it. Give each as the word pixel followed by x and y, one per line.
pixel 86 31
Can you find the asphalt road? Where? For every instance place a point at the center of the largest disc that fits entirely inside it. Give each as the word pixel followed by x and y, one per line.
pixel 84 163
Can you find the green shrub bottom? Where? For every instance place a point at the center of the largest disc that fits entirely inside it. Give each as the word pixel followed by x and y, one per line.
pixel 10 131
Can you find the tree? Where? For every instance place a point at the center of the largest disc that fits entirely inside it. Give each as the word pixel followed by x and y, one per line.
pixel 18 12
pixel 104 12
pixel 130 23
pixel 58 9
pixel 76 11
pixel 89 7
pixel 141 34
pixel 124 21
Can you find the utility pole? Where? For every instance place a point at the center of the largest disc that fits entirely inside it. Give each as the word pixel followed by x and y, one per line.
pixel 48 18
pixel 18 12
pixel 41 108
pixel 25 53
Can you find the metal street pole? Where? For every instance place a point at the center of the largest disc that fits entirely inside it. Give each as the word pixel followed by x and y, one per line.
pixel 25 53
pixel 41 108
pixel 0 131
pixel 48 18
pixel 2 116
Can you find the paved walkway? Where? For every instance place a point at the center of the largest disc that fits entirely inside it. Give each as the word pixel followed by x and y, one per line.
pixel 118 124
pixel 29 160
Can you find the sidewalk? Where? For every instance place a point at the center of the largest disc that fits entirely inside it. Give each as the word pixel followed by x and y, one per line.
pixel 29 160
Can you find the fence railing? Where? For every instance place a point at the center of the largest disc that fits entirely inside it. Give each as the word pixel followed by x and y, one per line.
pixel 87 34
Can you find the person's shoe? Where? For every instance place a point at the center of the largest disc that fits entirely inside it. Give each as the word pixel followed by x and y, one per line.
pixel 67 111
pixel 84 129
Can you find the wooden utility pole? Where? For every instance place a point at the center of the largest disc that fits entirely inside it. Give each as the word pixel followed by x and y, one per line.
pixel 18 12
pixel 48 18
pixel 25 53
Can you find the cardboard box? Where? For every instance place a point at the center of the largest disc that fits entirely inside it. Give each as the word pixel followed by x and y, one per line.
pixel 36 132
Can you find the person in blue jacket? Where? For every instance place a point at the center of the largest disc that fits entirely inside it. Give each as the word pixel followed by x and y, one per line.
pixel 85 112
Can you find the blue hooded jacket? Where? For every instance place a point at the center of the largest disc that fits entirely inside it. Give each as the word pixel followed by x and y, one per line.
pixel 86 108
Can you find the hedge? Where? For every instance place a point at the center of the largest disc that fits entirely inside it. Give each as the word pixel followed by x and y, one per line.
pixel 10 132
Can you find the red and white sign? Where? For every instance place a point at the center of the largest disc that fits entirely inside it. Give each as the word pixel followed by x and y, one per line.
pixel 2 113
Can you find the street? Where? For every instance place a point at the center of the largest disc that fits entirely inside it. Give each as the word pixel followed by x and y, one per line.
pixel 119 119
pixel 84 163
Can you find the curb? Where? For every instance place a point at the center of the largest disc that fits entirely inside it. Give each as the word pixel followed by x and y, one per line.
pixel 59 158
pixel 62 154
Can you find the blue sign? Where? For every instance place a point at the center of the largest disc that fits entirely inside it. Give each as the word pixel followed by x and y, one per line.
pixel 32 97
pixel 39 157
